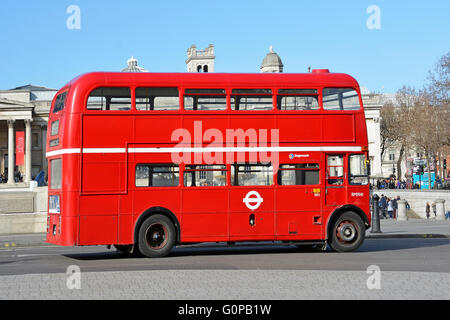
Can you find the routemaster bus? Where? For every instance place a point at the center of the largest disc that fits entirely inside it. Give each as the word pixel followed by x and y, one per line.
pixel 148 161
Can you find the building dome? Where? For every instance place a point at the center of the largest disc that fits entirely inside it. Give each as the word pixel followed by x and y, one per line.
pixel 272 62
pixel 132 66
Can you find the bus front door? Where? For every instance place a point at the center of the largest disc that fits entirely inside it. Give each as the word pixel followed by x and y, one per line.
pixel 335 182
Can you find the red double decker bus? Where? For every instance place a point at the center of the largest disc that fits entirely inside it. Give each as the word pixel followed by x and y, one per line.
pixel 147 161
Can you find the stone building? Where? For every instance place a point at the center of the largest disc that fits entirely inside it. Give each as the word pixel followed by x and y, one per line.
pixel 24 109
pixel 200 60
pixel 271 62
pixel 132 66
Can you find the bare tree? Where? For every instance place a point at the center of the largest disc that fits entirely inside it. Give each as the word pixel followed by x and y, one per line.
pixel 397 121
pixel 437 91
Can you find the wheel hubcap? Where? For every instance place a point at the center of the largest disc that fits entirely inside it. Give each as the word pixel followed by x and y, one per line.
pixel 346 232
pixel 156 236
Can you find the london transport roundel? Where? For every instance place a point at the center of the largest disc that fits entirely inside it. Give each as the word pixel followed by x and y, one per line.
pixel 254 202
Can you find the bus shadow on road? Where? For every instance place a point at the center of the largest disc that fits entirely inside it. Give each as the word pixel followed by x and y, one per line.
pixel 201 250
pixel 390 244
pixel 370 245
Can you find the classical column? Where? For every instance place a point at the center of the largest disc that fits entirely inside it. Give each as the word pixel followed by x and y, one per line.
pixel 28 150
pixel 11 165
pixel 44 146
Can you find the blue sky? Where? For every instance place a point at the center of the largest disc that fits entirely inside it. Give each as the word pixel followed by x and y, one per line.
pixel 37 47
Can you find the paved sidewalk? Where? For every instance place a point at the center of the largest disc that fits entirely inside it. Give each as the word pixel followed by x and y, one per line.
pixel 23 240
pixel 390 228
pixel 228 284
pixel 413 228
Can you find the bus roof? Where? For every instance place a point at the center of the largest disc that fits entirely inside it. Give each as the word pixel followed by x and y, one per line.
pixel 211 80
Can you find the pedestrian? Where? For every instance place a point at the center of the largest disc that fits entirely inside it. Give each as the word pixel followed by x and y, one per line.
pixel 433 205
pixel 427 210
pixel 384 205
pixel 395 206
pixel 390 208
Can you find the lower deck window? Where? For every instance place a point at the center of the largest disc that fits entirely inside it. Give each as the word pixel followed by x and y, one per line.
pixel 298 174
pixel 358 169
pixel 335 170
pixel 251 175
pixel 157 175
pixel 205 175
pixel 55 173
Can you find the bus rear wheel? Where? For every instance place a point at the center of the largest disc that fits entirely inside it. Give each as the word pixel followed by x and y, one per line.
pixel 156 236
pixel 347 233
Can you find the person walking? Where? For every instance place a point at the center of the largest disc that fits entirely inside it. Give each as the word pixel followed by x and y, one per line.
pixel 390 208
pixel 395 206
pixel 382 205
pixel 427 210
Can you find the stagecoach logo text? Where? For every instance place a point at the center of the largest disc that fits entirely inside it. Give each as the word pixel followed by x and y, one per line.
pixel 253 203
pixel 292 156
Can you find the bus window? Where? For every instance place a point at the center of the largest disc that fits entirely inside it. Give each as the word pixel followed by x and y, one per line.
pixel 297 99
pixel 205 99
pixel 340 99
pixel 110 98
pixel 251 175
pixel 55 174
pixel 335 170
pixel 251 99
pixel 298 174
pixel 202 176
pixel 297 103
pixel 358 169
pixel 157 175
pixel 157 99
pixel 60 102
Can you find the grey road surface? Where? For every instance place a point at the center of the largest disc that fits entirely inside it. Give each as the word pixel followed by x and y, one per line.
pixel 380 269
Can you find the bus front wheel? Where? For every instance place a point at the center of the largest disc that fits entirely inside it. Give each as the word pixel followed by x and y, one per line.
pixel 156 236
pixel 347 233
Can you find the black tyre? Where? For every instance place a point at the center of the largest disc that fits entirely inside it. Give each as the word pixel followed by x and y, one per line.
pixel 156 236
pixel 347 232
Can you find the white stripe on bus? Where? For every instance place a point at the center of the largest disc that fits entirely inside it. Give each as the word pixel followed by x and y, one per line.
pixel 207 149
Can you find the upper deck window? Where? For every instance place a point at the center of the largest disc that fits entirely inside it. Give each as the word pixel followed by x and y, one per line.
pixel 60 102
pixel 157 99
pixel 251 99
pixel 110 98
pixel 205 99
pixel 297 99
pixel 340 99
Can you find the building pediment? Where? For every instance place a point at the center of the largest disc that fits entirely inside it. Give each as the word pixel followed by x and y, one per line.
pixel 14 104
pixel 10 109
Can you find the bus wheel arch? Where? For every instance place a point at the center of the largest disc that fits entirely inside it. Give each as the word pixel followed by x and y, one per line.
pixel 157 211
pixel 346 228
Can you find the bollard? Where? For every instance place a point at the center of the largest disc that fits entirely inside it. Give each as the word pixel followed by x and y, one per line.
pixel 375 215
pixel 440 209
pixel 401 210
